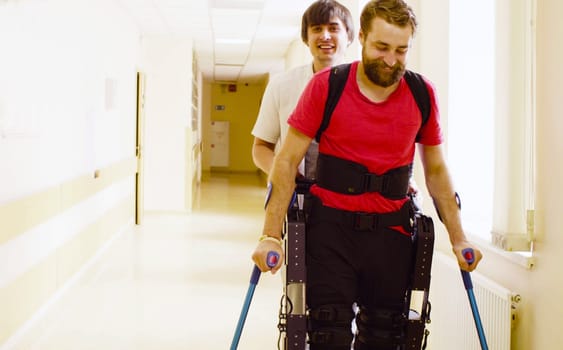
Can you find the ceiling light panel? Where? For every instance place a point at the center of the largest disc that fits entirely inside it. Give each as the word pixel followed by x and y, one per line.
pixel 147 21
pixel 234 23
pixel 135 3
pixel 232 41
pixel 188 4
pixel 227 72
pixel 286 33
pixel 289 6
pixel 224 55
pixel 237 4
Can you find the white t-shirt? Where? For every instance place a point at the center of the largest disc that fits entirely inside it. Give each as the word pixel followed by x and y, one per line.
pixel 279 101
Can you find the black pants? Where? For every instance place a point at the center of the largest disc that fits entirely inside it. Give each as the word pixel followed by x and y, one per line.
pixel 345 266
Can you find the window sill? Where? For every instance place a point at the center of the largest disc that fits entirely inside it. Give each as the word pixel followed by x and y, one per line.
pixel 524 259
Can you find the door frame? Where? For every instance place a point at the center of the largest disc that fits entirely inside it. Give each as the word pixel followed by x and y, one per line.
pixel 139 142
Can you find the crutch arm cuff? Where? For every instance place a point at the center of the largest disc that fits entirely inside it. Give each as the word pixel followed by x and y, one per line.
pixel 270 238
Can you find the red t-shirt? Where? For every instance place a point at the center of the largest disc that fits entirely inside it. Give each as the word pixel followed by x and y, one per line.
pixel 381 136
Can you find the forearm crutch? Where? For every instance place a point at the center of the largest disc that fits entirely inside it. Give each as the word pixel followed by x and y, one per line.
pixel 469 256
pixel 272 261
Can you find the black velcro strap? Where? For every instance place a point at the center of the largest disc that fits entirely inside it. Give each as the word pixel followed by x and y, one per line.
pixel 366 221
pixel 382 329
pixel 332 314
pixel 302 185
pixel 331 324
pixel 348 177
pixel 332 337
pixel 382 319
pixel 381 339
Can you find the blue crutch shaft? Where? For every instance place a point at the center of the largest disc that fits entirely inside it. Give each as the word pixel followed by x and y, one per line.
pixel 469 256
pixel 272 260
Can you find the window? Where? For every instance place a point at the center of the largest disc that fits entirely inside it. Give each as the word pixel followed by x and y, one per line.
pixel 491 118
pixel 471 109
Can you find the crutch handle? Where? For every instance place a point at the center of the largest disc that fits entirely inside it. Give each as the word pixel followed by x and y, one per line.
pixel 271 260
pixel 469 256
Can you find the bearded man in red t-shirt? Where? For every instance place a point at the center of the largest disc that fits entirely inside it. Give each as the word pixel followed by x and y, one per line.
pixel 374 127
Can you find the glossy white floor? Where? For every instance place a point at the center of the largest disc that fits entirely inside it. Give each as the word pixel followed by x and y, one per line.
pixel 175 282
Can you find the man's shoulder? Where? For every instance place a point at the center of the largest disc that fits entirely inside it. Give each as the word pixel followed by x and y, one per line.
pixel 420 76
pixel 348 68
pixel 299 73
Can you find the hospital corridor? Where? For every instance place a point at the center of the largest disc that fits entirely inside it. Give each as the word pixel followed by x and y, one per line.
pixel 131 202
pixel 176 282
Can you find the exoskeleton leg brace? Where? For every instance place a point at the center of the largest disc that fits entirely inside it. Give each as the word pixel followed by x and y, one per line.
pixel 293 311
pixel 416 334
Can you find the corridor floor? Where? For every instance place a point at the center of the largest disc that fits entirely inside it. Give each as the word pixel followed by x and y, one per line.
pixel 174 282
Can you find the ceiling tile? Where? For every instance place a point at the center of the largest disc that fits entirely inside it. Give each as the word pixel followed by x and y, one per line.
pixel 237 4
pixel 227 72
pixel 269 26
pixel 234 23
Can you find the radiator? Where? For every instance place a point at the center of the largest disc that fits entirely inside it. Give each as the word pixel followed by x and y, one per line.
pixel 452 325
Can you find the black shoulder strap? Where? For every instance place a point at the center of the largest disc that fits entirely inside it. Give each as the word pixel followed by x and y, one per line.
pixel 420 93
pixel 336 83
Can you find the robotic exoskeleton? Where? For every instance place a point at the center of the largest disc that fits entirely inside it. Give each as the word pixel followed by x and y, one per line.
pixel 400 331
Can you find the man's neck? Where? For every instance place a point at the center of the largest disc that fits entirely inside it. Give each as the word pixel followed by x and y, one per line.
pixel 319 66
pixel 374 92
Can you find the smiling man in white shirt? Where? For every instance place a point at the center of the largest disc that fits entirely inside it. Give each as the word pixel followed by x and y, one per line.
pixel 327 29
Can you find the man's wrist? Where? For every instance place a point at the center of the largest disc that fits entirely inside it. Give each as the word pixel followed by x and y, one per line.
pixel 278 240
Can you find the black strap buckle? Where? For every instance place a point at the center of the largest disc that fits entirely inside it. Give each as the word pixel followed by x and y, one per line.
pixel 319 337
pixel 324 313
pixel 365 222
pixel 373 183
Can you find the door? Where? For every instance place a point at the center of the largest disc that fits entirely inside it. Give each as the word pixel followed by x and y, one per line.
pixel 219 144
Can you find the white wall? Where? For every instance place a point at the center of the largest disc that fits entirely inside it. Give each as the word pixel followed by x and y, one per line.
pixel 546 284
pixel 55 62
pixel 167 63
pixel 67 108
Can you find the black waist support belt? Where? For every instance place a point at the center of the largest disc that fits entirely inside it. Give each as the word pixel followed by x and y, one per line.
pixel 348 177
pixel 366 221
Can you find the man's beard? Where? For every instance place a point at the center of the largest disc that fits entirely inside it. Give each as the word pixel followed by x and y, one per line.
pixel 377 73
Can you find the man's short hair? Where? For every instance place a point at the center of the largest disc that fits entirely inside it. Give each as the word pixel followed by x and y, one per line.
pixel 396 12
pixel 321 12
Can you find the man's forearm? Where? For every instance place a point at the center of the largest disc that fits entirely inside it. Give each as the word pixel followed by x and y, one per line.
pixel 444 197
pixel 441 189
pixel 263 158
pixel 263 155
pixel 283 184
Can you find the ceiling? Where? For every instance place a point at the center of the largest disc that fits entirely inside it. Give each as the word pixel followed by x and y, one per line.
pixel 234 40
